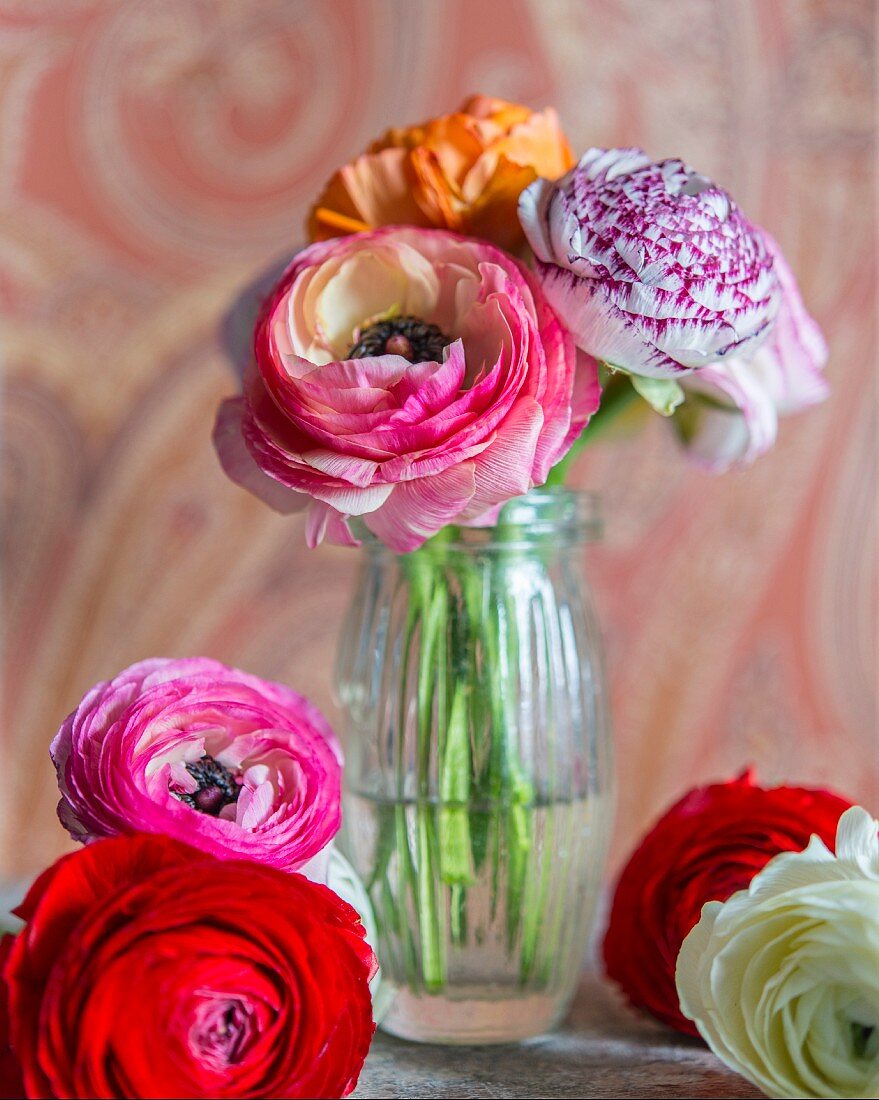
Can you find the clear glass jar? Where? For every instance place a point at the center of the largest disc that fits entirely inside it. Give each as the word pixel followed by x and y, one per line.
pixel 478 775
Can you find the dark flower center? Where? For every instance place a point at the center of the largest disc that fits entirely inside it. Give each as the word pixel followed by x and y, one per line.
pixel 216 787
pixel 414 339
pixel 223 1033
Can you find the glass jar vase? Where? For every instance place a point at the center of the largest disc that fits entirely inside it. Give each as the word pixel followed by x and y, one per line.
pixel 478 797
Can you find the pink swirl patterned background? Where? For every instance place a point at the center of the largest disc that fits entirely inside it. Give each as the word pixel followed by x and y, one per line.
pixel 155 155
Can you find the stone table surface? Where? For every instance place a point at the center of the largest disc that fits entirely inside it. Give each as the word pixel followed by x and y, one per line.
pixel 603 1050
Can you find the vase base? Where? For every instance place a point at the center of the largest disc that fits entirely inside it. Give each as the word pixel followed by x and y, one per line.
pixel 477 1016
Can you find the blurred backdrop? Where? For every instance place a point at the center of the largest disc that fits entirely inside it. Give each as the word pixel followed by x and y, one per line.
pixel 155 155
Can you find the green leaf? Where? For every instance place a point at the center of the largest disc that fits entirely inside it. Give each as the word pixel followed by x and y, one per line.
pixel 663 394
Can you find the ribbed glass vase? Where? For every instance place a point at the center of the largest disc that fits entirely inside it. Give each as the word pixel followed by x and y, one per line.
pixel 478 774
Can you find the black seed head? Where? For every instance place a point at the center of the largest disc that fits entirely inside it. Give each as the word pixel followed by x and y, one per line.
pixel 414 339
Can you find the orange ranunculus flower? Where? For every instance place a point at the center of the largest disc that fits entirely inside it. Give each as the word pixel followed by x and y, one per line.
pixel 463 171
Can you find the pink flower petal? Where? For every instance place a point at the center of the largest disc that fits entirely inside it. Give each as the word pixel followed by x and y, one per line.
pixel 740 425
pixel 416 510
pixel 323 522
pixel 254 806
pixel 239 465
pixel 796 352
pixel 503 471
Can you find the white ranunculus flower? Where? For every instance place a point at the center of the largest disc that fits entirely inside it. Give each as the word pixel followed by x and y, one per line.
pixel 782 980
pixel 330 868
pixel 343 879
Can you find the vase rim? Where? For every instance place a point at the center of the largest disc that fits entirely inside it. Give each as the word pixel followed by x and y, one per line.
pixel 564 517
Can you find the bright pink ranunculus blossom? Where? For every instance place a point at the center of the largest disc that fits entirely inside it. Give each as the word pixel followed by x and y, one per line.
pixel 410 377
pixel 230 763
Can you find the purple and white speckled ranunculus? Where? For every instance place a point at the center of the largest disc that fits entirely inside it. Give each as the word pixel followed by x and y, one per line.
pixel 223 760
pixel 652 267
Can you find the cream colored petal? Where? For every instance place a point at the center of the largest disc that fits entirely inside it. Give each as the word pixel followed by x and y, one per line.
pixel 365 286
pixel 423 287
pixel 857 840
pixel 688 971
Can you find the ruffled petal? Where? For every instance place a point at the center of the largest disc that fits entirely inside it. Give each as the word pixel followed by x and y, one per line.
pixel 240 466
pixel 504 468
pixel 729 418
pixel 416 510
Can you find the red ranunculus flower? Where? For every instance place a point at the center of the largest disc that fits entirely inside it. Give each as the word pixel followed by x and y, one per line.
pixel 148 969
pixel 704 848
pixel 11 1084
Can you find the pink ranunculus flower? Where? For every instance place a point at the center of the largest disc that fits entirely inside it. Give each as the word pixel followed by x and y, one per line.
pixel 731 413
pixel 230 763
pixel 652 266
pixel 411 377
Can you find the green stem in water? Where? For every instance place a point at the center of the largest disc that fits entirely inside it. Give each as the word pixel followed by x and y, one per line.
pixel 406 880
pixel 431 926
pixel 406 870
pixel 534 904
pixel 456 858
pixel 462 618
pixel 428 615
pixel 518 792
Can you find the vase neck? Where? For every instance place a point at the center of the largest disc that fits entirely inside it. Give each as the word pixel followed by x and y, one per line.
pixel 541 520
